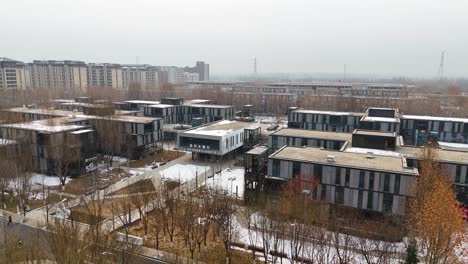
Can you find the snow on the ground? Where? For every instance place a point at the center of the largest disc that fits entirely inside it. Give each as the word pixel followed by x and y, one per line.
pixel 45 180
pixel 119 159
pixel 183 172
pixel 312 251
pixel 227 179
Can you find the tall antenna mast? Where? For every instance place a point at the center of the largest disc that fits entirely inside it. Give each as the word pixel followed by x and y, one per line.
pixel 441 66
pixel 255 65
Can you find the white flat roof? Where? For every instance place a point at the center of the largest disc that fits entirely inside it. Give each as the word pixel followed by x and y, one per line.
pixel 436 118
pixel 380 119
pixel 82 131
pixel 220 128
pixel 160 106
pixel 45 125
pixel 142 102
pixel 327 112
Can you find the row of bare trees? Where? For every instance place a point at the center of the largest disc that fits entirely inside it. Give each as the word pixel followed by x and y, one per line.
pixel 301 228
pixel 174 220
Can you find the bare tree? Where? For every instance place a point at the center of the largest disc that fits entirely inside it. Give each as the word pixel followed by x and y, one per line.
pixel 65 153
pixel 224 220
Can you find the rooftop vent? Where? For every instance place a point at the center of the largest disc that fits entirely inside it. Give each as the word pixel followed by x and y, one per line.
pixel 330 158
pixel 370 155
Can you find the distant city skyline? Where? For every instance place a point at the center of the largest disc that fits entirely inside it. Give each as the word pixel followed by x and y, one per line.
pixel 387 38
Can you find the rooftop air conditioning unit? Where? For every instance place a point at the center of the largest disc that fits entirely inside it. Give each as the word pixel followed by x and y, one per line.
pixel 370 155
pixel 330 158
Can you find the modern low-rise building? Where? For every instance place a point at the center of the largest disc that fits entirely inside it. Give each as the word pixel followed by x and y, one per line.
pixel 309 138
pixel 374 168
pixel 370 182
pixel 416 130
pixel 324 120
pixel 218 138
pixel 60 141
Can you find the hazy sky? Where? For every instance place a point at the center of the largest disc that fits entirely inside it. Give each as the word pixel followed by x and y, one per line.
pixel 392 37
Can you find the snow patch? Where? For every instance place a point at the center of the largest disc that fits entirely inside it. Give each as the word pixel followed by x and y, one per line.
pixel 374 151
pixel 227 179
pixel 183 172
pixel 45 180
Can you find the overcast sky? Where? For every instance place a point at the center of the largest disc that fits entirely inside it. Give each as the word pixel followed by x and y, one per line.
pixel 392 37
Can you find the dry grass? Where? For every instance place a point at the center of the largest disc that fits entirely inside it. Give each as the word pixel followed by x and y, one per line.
pixel 88 213
pixel 137 187
pixel 12 201
pixel 84 183
pixel 214 251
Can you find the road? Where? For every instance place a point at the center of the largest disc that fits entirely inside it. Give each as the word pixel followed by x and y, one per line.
pixel 29 234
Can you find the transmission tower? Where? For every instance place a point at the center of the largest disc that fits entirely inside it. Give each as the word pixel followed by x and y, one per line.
pixel 255 65
pixel 441 66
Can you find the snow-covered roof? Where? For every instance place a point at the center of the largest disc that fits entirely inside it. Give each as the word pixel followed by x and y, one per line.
pixel 82 131
pixel 142 102
pixel 378 152
pixel 435 118
pixel 47 125
pixel 159 106
pixel 380 119
pixel 220 128
pixel 458 146
pixel 328 112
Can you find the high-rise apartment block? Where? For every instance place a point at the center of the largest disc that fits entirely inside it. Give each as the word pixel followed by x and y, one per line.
pixel 78 76
pixel 69 75
pixel 12 74
pixel 105 74
pixel 145 75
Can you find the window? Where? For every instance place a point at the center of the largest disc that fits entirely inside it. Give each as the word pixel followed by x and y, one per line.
pixel 347 177
pixel 276 168
pixel 387 203
pixel 386 187
pixel 317 171
pixel 397 183
pixel 458 174
pixel 323 193
pixel 339 195
pixel 337 176
pixel 359 201
pixel 370 196
pixel 361 179
pixel 371 181
pixel 296 169
pixel 274 142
